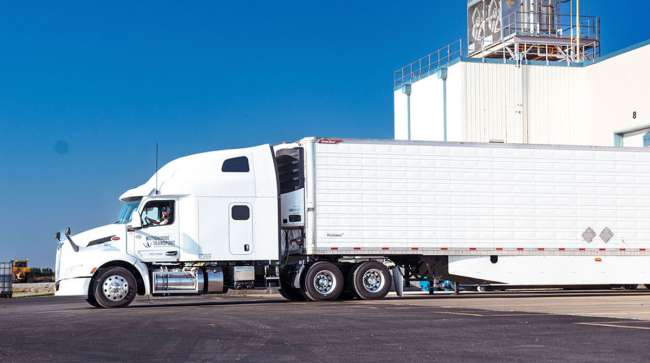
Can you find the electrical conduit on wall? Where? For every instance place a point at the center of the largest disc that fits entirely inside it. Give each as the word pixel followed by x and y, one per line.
pixel 442 74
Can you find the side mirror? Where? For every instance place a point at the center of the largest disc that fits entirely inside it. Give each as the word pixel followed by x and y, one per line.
pixel 136 221
pixel 57 236
pixel 67 231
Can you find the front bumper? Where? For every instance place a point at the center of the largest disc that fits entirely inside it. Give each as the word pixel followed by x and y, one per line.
pixel 73 287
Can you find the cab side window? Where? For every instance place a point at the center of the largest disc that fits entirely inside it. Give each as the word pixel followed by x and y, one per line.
pixel 236 165
pixel 158 213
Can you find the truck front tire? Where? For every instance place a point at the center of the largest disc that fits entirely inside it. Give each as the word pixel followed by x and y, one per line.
pixel 114 287
pixel 91 300
pixel 371 280
pixel 323 282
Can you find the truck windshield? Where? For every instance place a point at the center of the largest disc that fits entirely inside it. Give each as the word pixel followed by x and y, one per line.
pixel 126 210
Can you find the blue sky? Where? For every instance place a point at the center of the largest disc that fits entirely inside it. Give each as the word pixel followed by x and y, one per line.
pixel 87 88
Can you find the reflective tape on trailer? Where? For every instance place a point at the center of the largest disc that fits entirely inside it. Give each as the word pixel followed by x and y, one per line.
pixel 476 251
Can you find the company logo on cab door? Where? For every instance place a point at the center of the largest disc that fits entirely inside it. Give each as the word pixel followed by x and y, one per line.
pixel 162 241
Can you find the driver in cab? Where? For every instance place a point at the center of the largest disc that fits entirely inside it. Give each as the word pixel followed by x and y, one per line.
pixel 165 214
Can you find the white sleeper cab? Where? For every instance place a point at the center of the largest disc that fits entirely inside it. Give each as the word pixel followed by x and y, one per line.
pixel 331 218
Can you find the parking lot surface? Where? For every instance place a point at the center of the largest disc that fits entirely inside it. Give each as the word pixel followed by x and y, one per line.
pixel 471 327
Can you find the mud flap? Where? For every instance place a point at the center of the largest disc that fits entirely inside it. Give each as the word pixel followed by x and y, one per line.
pixel 398 280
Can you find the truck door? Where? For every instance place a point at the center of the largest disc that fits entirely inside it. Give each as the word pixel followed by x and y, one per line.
pixel 158 240
pixel 241 229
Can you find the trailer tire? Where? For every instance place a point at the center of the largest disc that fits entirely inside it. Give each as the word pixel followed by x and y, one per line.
pixel 371 280
pixel 323 282
pixel 114 287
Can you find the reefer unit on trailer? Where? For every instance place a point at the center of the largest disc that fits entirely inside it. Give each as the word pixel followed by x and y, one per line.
pixel 330 217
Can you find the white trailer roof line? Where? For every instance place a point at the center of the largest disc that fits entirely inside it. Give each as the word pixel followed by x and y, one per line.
pixel 331 140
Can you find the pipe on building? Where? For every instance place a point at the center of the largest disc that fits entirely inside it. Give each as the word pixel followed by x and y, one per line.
pixel 406 89
pixel 442 74
pixel 578 30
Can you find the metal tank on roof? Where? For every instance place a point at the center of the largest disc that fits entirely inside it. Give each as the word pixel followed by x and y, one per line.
pixel 531 30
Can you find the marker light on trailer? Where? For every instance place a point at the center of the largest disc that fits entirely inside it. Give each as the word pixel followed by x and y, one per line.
pixel 328 140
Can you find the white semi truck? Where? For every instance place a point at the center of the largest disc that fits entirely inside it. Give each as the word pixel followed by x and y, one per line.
pixel 331 217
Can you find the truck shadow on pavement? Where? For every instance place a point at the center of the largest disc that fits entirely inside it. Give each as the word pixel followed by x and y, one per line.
pixel 159 304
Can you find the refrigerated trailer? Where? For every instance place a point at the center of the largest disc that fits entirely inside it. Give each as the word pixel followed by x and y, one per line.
pixel 335 218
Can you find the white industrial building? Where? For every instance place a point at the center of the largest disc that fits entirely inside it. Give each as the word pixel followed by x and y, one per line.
pixel 527 75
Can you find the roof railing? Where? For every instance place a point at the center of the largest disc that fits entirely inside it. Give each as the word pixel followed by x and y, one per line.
pixel 429 64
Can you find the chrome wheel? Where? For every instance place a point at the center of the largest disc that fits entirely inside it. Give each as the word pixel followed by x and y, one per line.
pixel 373 280
pixel 324 282
pixel 115 288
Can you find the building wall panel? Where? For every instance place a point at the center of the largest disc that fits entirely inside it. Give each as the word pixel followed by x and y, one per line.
pixel 493 102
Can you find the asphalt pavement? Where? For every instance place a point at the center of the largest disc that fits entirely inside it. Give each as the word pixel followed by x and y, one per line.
pixel 268 328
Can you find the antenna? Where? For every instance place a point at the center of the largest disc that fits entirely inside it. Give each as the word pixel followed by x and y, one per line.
pixel 156 190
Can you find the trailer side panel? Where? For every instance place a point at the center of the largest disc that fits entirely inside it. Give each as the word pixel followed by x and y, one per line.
pixel 471 199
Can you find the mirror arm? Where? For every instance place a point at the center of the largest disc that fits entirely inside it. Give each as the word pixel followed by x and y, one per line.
pixel 74 245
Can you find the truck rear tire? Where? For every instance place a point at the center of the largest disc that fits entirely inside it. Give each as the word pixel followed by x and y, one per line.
pixel 291 294
pixel 114 287
pixel 323 282
pixel 371 280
